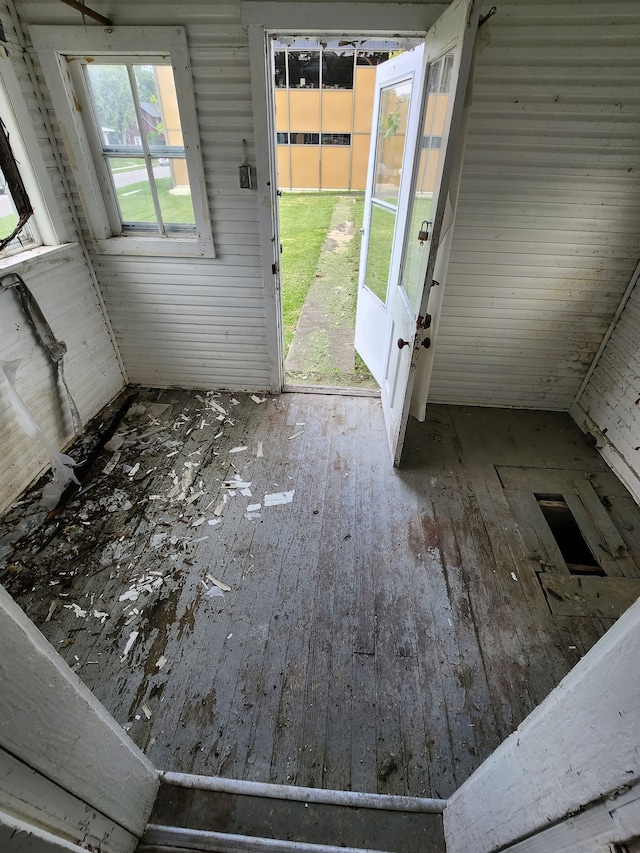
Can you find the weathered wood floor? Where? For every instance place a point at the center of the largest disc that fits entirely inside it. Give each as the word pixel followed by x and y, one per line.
pixel 383 631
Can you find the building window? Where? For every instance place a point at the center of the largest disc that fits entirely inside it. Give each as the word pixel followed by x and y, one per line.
pixel 321 68
pixel 431 141
pixel 282 138
pixel 133 142
pixel 304 138
pixel 336 138
pixel 27 237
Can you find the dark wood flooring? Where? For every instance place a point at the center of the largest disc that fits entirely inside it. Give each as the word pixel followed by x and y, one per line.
pixel 384 631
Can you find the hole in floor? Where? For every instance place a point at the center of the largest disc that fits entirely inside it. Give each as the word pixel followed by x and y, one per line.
pixel 566 531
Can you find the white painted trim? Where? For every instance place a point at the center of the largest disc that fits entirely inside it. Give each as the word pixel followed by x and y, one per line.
pixel 352 19
pixel 580 745
pixel 29 796
pixel 53 45
pixel 262 19
pixel 614 820
pixel 16 836
pixel 34 172
pixel 54 724
pixel 25 262
pixel 266 186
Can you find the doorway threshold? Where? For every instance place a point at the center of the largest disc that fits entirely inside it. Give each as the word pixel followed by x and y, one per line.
pixel 328 389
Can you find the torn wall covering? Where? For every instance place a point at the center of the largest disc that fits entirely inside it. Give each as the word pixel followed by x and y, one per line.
pixel 62 284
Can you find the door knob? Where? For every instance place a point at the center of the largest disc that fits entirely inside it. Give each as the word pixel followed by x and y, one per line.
pixel 402 343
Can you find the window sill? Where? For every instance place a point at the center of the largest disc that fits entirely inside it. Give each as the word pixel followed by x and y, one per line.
pixel 22 261
pixel 164 247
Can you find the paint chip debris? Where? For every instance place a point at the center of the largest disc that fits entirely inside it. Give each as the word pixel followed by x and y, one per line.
pixel 161 662
pixel 218 582
pixel 238 449
pixel 213 521
pixel 260 450
pixel 257 399
pixel 514 576
pixel 277 498
pixel 78 611
pixel 296 435
pixel 146 710
pixel 133 636
pixel 214 592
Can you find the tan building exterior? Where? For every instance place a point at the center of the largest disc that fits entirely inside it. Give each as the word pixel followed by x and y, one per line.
pixel 323 127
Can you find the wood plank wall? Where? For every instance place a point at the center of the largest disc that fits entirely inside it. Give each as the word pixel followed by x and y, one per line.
pixel 193 322
pixel 65 291
pixel 546 234
pixel 549 211
pixel 609 407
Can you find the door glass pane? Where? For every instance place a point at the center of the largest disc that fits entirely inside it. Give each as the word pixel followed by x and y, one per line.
pixel 381 228
pixel 438 87
pixel 392 131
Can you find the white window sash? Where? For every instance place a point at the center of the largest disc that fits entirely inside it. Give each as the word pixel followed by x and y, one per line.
pixel 54 45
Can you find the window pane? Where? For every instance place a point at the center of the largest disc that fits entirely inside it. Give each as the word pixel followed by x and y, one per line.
pixel 113 103
pixel 9 219
pixel 305 138
pixel 337 69
pixel 132 188
pixel 304 69
pixel 422 210
pixel 282 138
pixel 174 192
pixel 159 104
pixel 336 139
pixel 380 243
pixel 281 69
pixel 392 128
pixel 369 58
pixel 8 214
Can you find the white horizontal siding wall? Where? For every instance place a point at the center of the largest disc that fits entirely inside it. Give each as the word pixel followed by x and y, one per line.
pixel 609 406
pixel 182 321
pixel 546 235
pixel 64 291
pixel 63 286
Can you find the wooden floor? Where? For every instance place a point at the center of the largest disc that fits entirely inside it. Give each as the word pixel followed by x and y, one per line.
pixel 384 631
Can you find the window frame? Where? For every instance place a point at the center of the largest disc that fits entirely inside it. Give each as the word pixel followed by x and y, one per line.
pixel 45 224
pixel 55 47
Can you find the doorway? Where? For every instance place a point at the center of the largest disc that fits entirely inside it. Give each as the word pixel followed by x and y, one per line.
pixel 322 96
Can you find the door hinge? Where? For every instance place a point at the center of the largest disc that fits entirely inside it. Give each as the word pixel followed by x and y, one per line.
pixel 275 268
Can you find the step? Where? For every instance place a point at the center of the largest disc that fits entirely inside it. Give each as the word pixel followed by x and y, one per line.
pixel 213 814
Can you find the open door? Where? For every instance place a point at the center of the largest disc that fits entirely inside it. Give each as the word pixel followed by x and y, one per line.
pixel 417 115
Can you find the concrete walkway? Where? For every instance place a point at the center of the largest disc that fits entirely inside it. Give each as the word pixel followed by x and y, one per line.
pixel 322 347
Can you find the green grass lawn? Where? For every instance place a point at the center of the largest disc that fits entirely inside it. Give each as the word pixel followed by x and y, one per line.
pixel 136 204
pixel 304 222
pixel 7 224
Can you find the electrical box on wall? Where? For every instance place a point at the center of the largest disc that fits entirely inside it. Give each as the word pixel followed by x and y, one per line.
pixel 245 176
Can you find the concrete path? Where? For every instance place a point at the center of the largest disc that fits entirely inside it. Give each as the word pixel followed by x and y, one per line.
pixel 323 343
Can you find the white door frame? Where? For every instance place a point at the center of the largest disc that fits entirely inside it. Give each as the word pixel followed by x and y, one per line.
pixel 262 21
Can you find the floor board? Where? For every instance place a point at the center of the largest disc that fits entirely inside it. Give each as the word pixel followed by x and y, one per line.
pixel 384 631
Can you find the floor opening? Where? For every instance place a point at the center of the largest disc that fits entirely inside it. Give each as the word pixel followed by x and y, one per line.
pixel 573 546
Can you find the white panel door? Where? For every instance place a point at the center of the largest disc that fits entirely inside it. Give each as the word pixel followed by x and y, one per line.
pixel 412 158
pixel 396 115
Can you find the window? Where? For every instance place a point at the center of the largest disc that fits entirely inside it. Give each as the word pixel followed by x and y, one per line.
pixel 336 138
pixel 132 136
pixel 304 138
pixel 137 129
pixel 282 138
pixel 14 159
